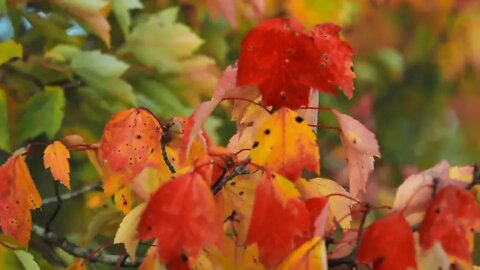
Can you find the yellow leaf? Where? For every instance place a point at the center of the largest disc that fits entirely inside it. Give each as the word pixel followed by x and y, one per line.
pixel 311 255
pixel 127 232
pixel 123 199
pixel 338 206
pixel 77 264
pixel 56 157
pixel 285 144
pixel 8 50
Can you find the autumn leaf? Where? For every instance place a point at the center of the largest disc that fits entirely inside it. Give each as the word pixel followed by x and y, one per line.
pixel 18 195
pixel 336 57
pixel 434 258
pixel 280 221
pixel 285 144
pixel 388 244
pixel 451 218
pixel 123 199
pixel 339 206
pixel 312 255
pixel 309 13
pixel 90 12
pixel 127 232
pixel 416 192
pixel 131 142
pixel 183 218
pixel 360 146
pixel 284 62
pixel 56 157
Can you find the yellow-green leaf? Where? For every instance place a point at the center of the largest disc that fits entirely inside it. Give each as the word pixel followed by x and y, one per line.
pixel 127 232
pixel 9 49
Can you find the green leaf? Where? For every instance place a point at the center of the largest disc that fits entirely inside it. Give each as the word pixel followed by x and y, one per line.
pixel 103 65
pixel 158 98
pixel 43 113
pixel 4 137
pixel 62 52
pixel 26 259
pixel 161 42
pixel 102 72
pixel 8 50
pixel 121 10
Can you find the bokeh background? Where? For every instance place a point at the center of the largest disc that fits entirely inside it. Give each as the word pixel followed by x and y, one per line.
pixel 417 83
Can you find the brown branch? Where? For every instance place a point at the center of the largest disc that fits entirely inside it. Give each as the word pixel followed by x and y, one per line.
pixel 81 252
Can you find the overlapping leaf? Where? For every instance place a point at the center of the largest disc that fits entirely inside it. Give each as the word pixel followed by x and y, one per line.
pixel 285 144
pixel 309 256
pixel 451 218
pixel 183 217
pixel 280 221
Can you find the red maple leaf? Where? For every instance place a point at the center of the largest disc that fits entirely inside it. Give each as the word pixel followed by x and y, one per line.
pixel 336 56
pixel 388 244
pixel 280 221
pixel 285 62
pixel 451 218
pixel 182 216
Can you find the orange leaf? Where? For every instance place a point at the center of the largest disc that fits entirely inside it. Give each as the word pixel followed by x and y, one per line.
pixel 280 221
pixel 18 195
pixel 388 244
pixel 131 142
pixel 285 144
pixel 183 217
pixel 55 157
pixel 451 218
pixel 360 146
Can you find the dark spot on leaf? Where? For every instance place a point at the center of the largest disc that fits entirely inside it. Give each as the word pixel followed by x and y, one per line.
pixel 149 228
pixel 267 131
pixel 183 257
pixel 233 183
pixel 299 119
pixel 437 210
pixel 255 144
pixel 139 136
pixel 241 193
pixel 151 151
pixel 283 97
pixel 354 141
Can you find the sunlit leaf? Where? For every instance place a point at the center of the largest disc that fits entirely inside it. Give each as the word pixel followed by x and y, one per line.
pixel 285 144
pixel 56 157
pixel 123 199
pixel 127 232
pixel 309 256
pixel 26 259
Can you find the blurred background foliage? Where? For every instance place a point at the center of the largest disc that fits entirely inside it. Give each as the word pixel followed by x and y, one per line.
pixel 68 65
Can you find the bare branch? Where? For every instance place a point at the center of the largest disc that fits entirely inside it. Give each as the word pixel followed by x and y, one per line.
pixel 72 195
pixel 81 252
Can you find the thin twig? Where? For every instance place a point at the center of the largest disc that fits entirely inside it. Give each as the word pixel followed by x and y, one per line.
pixel 238 170
pixel 476 176
pixel 73 194
pixel 57 208
pixel 81 252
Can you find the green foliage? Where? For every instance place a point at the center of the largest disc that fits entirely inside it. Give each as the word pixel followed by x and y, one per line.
pixel 4 134
pixel 46 108
pixel 27 260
